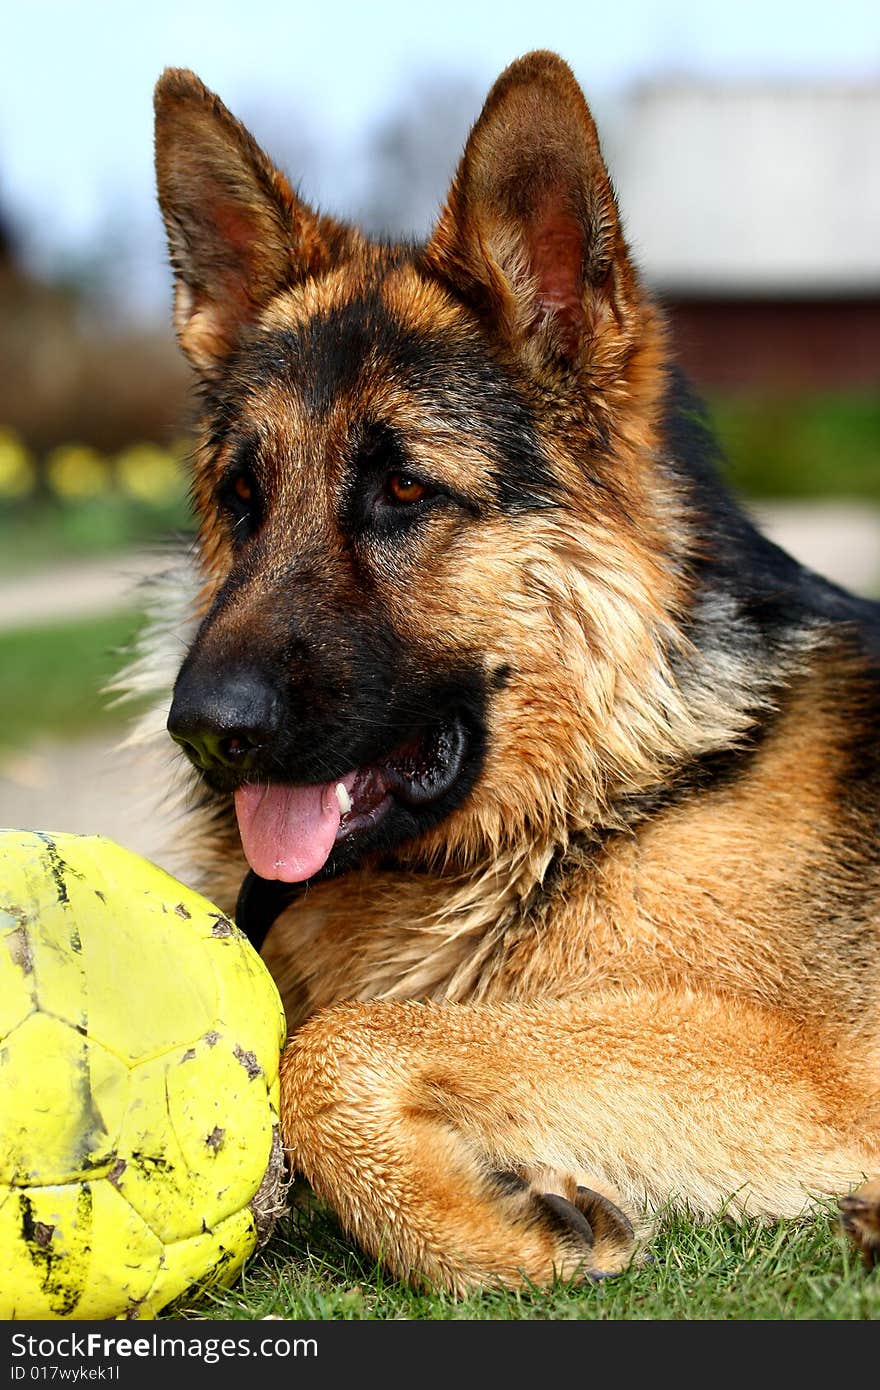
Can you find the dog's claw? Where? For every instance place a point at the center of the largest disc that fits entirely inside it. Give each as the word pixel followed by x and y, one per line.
pixel 568 1214
pixel 860 1221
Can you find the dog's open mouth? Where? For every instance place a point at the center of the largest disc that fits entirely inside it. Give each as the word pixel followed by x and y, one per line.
pixel 288 832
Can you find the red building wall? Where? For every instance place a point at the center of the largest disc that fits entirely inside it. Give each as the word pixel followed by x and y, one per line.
pixel 777 343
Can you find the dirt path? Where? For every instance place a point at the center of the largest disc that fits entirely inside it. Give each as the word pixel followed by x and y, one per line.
pixel 838 539
pixel 85 785
pixel 76 590
pixel 90 787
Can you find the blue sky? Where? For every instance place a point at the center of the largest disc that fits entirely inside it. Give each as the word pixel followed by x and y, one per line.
pixel 75 100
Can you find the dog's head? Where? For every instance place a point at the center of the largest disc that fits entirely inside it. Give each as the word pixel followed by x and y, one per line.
pixel 436 588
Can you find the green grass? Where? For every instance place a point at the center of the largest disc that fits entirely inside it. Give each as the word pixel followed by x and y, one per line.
pixel 801 446
pixel 33 536
pixel 51 677
pixel 781 1270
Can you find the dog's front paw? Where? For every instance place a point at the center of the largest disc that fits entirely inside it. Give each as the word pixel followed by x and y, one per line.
pixel 605 1233
pixel 860 1220
pixel 584 1232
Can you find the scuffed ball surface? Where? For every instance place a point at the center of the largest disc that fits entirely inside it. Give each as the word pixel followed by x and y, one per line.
pixel 140 1036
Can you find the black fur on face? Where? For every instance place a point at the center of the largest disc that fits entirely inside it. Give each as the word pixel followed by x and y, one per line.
pixel 418 742
pixel 344 353
pixel 300 672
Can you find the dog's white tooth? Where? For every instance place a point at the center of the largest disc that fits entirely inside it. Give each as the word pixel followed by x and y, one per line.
pixel 343 798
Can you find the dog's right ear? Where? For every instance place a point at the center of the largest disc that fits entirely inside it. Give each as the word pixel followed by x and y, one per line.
pixel 237 233
pixel 530 235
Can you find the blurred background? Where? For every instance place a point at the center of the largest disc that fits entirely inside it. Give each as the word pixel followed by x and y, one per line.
pixel 744 142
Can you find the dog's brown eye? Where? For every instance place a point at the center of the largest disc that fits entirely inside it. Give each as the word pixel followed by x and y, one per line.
pixel 239 497
pixel 241 486
pixel 402 488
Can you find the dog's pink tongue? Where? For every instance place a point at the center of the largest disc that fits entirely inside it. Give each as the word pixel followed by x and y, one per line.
pixel 287 832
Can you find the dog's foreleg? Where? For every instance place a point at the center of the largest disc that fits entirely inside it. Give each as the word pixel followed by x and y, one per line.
pixel 470 1146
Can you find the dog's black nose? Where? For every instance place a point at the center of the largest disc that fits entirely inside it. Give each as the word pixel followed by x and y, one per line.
pixel 224 721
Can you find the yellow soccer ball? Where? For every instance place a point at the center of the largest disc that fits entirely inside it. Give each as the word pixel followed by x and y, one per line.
pixel 140 1036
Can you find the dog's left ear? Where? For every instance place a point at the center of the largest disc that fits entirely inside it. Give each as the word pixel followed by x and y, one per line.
pixel 530 235
pixel 237 233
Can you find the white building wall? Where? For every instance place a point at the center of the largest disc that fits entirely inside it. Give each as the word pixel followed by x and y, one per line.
pixel 752 188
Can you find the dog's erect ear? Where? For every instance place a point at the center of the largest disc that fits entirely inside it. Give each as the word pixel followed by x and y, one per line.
pixel 237 233
pixel 530 234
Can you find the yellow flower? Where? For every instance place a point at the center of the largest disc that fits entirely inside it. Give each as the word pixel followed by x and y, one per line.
pixel 149 474
pixel 17 471
pixel 77 472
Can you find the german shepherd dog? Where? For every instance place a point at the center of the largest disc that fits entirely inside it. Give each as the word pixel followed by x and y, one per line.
pixel 552 785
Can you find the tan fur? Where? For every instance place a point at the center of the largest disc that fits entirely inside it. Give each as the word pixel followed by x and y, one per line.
pixel 399 1105
pixel 680 1009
